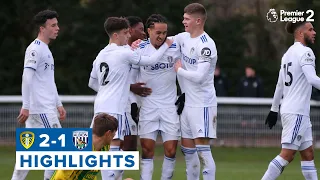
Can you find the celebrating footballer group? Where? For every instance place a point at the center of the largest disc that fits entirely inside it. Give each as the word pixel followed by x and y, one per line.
pixel 135 80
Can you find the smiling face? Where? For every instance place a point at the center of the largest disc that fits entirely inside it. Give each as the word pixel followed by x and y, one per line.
pixel 158 34
pixel 137 32
pixel 190 22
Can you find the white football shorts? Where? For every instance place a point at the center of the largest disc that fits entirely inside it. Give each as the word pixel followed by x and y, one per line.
pixel 159 120
pixel 130 127
pixel 49 120
pixel 296 131
pixel 199 122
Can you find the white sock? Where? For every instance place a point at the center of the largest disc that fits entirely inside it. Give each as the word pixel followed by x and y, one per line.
pixel 209 166
pixel 19 174
pixel 275 168
pixel 146 169
pixel 309 170
pixel 192 163
pixel 111 174
pixel 168 168
pixel 48 174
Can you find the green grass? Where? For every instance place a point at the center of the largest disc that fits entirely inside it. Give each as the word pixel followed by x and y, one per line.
pixel 232 164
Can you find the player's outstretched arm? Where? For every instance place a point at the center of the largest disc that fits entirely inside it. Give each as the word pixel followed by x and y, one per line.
pixel 195 76
pixel 146 60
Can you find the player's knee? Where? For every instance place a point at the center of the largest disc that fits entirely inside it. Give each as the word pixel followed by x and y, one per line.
pixel 307 154
pixel 170 148
pixel 170 152
pixel 287 155
pixel 147 152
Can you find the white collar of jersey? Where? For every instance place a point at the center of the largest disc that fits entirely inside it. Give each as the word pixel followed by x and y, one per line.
pixel 42 42
pixel 298 42
pixel 203 33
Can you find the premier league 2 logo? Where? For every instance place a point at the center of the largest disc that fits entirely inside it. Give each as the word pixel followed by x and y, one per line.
pixel 80 139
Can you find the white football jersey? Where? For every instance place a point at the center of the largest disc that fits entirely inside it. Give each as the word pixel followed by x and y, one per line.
pixel 112 67
pixel 43 94
pixel 194 51
pixel 160 77
pixel 296 89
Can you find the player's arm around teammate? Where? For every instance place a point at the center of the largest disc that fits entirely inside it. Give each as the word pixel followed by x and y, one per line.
pixel 158 112
pixel 195 75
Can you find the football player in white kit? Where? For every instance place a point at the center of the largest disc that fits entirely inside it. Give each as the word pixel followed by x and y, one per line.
pixel 131 120
pixel 297 75
pixel 110 77
pixel 158 112
pixel 195 75
pixel 39 92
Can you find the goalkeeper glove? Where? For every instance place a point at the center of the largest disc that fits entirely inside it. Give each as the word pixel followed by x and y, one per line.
pixel 180 103
pixel 134 112
pixel 272 119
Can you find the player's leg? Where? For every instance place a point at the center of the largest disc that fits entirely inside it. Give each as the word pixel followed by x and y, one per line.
pixel 292 132
pixel 38 121
pixel 148 132
pixel 22 174
pixel 170 143
pixel 188 147
pixel 130 136
pixel 170 132
pixel 49 121
pixel 308 168
pixel 203 122
pixel 148 142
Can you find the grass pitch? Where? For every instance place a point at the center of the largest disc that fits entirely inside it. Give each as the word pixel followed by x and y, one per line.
pixel 232 164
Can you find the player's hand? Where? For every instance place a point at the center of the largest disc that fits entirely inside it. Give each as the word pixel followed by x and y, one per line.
pixel 135 44
pixel 140 89
pixel 272 119
pixel 23 116
pixel 134 112
pixel 177 65
pixel 180 103
pixel 169 42
pixel 62 113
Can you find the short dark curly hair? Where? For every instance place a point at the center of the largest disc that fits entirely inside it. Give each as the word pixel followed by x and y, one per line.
pixel 115 24
pixel 41 18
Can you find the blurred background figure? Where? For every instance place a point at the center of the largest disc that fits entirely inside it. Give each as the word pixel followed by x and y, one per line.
pixel 220 82
pixel 250 85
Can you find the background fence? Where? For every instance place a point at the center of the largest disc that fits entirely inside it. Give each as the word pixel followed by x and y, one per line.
pixel 240 120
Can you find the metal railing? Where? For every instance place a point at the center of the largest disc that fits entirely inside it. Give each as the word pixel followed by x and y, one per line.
pixel 240 120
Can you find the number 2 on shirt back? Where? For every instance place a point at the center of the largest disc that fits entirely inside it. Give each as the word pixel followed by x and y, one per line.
pixel 104 68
